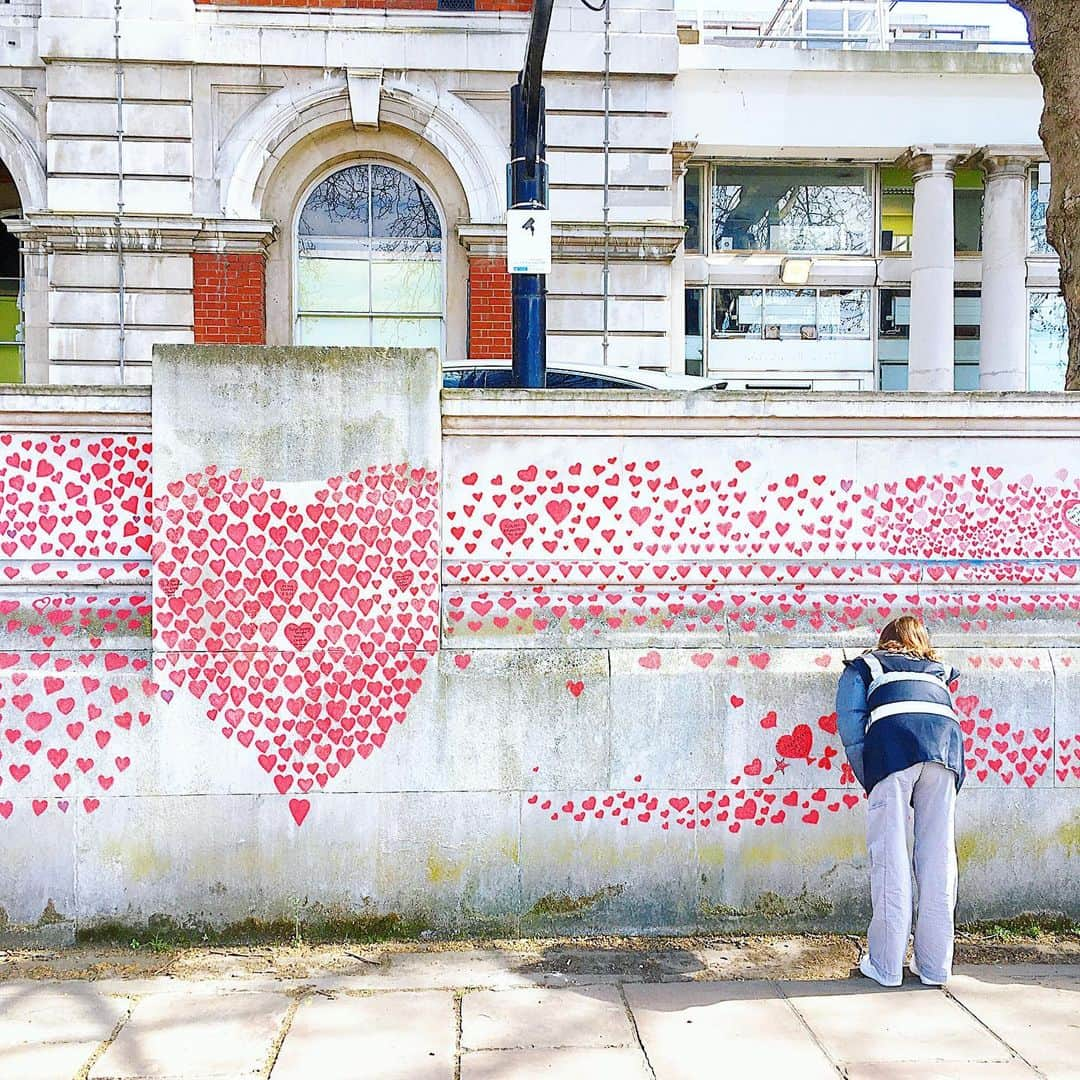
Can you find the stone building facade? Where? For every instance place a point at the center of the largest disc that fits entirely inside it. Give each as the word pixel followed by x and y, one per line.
pixel 177 172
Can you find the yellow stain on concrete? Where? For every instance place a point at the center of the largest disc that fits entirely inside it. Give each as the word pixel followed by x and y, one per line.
pixel 509 848
pixel 140 859
pixel 1068 835
pixel 973 848
pixel 441 870
pixel 843 847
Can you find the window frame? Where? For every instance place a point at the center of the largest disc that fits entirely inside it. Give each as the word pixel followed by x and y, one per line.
pixel 712 164
pixel 370 316
pixel 714 288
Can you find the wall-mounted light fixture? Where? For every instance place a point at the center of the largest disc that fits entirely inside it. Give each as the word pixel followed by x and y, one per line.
pixel 795 271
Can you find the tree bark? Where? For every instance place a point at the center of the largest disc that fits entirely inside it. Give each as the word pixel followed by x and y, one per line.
pixel 1054 31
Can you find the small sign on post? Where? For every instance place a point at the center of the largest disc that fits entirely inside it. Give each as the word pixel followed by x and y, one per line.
pixel 528 241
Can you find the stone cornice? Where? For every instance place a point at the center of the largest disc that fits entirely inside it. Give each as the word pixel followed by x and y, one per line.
pixel 118 409
pixel 585 242
pixel 139 234
pixel 821 415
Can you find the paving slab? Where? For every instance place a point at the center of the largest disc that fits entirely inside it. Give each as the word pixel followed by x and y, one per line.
pixel 1037 1012
pixel 593 1063
pixel 953 1070
pixel 195 1034
pixel 47 1032
pixel 689 1029
pixel 521 1019
pixel 434 971
pixel 396 1036
pixel 856 1021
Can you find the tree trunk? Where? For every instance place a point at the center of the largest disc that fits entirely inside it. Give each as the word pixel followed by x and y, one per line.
pixel 1054 30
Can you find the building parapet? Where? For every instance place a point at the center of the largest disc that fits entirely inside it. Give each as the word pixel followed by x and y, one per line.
pixel 114 409
pixel 993 415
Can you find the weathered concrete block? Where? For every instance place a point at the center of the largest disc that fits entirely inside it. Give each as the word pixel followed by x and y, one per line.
pixel 39 853
pixel 369 406
pixel 445 859
pixel 521 719
pixel 597 874
pixel 669 719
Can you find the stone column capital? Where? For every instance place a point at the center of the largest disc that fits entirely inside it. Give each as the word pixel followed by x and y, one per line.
pixel 999 162
pixel 935 160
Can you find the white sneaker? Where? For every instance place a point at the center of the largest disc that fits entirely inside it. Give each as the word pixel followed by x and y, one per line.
pixel 915 971
pixel 871 972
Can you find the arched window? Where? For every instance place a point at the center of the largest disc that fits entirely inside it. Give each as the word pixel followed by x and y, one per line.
pixel 369 261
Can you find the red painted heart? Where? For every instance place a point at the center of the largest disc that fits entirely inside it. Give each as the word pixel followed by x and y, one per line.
pixel 304 629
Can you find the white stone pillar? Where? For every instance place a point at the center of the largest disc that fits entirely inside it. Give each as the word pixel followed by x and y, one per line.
pixel 1003 333
pixel 930 352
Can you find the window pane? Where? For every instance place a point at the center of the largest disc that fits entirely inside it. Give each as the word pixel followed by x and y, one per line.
pixel 894 376
pixel 967 210
pixel 693 194
pixel 967 315
pixel 370 240
pixel 10 331
pixel 1037 241
pixel 328 330
pixel 1048 341
pixel 407 333
pixel 737 313
pixel 965 376
pixel 843 313
pixel 412 286
pixel 694 336
pixel 894 329
pixel 790 313
pixel 897 209
pixel 400 207
pixel 338 207
pixel 790 208
pixel 333 284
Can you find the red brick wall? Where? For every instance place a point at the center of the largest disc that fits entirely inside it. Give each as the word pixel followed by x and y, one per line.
pixel 230 299
pixel 379 5
pixel 489 309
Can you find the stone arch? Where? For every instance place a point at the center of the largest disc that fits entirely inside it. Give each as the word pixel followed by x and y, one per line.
pixel 18 151
pixel 283 120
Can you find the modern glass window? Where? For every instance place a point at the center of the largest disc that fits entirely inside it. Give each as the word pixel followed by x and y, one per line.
pixel 967 210
pixel 11 299
pixel 1038 244
pixel 694 327
pixel 967 317
pixel 1048 341
pixel 370 261
pixel 894 334
pixel 818 209
pixel 898 210
pixel 694 205
pixel 792 314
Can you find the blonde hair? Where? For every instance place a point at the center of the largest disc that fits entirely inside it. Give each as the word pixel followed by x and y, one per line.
pixel 907 635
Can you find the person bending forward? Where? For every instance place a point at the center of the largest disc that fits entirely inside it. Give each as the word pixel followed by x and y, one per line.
pixel 896 719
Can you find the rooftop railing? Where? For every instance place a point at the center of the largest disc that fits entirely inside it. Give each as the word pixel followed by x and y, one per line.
pixel 878 25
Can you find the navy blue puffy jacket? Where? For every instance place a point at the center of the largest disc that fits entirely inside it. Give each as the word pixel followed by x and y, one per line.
pixel 895 711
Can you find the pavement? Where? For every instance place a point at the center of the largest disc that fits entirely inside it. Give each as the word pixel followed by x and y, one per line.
pixel 470 1015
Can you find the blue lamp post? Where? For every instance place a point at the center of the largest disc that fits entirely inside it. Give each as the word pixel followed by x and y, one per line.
pixel 528 190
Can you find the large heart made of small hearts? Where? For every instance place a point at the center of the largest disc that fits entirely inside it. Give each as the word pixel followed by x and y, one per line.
pixel 304 627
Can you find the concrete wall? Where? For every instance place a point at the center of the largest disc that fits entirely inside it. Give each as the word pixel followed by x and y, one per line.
pixel 606 705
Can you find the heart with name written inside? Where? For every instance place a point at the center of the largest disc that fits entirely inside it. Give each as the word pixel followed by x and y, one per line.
pixel 304 622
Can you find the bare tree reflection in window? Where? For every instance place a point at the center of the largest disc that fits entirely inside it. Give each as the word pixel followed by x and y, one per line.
pixel 370 244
